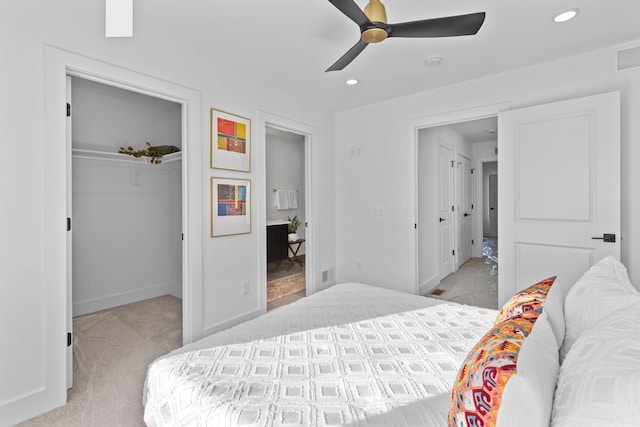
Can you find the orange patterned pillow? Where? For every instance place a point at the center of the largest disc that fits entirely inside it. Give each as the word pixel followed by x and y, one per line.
pixel 477 393
pixel 528 303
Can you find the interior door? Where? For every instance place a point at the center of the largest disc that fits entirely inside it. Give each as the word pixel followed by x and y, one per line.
pixel 445 208
pixel 69 240
pixel 559 190
pixel 464 209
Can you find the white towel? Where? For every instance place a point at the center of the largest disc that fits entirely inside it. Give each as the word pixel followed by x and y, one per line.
pixel 282 199
pixel 293 199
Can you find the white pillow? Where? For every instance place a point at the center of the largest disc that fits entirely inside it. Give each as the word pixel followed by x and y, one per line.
pixel 599 381
pixel 554 307
pixel 603 289
pixel 528 396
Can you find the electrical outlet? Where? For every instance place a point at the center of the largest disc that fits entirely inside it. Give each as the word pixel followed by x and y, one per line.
pixel 379 210
pixel 245 288
pixel 325 276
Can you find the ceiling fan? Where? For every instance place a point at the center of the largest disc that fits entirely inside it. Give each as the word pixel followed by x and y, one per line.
pixel 374 28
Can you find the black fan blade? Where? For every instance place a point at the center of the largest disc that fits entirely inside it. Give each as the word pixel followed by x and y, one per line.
pixel 351 9
pixel 461 25
pixel 348 57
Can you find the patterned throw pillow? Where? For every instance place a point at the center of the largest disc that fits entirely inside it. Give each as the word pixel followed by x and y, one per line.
pixel 528 303
pixel 478 391
pixel 483 376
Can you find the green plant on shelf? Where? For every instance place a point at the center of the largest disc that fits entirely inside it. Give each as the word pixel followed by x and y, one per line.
pixel 294 224
pixel 155 153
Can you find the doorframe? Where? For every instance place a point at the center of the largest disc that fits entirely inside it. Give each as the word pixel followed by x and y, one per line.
pixel 309 133
pixel 415 125
pixel 58 64
pixel 479 186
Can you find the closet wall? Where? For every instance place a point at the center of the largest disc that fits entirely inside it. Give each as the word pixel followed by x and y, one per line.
pixel 126 215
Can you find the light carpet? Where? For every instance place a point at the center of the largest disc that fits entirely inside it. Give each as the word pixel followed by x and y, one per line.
pixel 280 288
pixel 112 350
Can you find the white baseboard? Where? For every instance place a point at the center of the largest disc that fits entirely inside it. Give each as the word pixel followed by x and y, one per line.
pixel 230 323
pixel 115 300
pixel 427 286
pixel 322 286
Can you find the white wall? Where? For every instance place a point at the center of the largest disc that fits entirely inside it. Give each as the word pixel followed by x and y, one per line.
pixel 123 234
pixel 27 304
pixel 107 118
pixel 381 175
pixel 285 171
pixel 127 218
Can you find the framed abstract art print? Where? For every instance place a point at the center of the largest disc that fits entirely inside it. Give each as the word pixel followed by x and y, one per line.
pixel 230 141
pixel 230 206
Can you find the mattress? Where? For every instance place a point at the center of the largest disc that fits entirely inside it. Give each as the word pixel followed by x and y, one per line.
pixel 350 355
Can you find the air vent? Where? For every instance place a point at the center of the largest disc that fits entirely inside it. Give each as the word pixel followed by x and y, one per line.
pixel 629 58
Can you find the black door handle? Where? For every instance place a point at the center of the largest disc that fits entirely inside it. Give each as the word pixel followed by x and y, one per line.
pixel 466 214
pixel 442 219
pixel 609 238
pixel 491 208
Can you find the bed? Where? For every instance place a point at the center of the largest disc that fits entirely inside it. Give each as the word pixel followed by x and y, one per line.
pixel 350 355
pixel 556 354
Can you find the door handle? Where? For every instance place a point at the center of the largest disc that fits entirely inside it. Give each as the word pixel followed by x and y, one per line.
pixel 442 219
pixel 466 214
pixel 609 238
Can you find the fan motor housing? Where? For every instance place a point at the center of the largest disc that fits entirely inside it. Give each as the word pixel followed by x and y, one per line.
pixel 374 35
pixel 377 14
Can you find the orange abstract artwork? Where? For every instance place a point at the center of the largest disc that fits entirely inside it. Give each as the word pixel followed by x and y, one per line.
pixel 232 136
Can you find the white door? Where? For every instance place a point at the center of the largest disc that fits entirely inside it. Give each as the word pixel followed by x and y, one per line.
pixel 445 208
pixel 464 209
pixel 559 190
pixel 69 242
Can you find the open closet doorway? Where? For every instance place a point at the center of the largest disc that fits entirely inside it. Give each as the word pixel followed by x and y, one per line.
pixel 125 260
pixel 286 216
pixel 455 260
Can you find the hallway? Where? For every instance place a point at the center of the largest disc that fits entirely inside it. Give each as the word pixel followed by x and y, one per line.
pixel 475 282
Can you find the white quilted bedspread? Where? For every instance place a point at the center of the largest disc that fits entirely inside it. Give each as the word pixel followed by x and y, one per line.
pixel 350 355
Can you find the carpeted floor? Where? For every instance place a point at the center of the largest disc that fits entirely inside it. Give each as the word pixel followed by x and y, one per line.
pixel 112 349
pixel 476 282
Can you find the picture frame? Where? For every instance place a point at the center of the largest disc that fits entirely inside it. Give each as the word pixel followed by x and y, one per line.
pixel 230 141
pixel 230 206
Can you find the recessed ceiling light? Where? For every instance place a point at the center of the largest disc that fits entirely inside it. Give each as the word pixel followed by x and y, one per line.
pixel 352 82
pixel 565 16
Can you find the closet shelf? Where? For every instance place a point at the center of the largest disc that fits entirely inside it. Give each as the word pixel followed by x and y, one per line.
pixel 78 153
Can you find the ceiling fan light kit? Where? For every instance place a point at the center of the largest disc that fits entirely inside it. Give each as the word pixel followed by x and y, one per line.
pixel 374 27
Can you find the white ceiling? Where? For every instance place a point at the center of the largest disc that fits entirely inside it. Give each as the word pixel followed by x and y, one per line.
pixel 288 44
pixel 481 130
